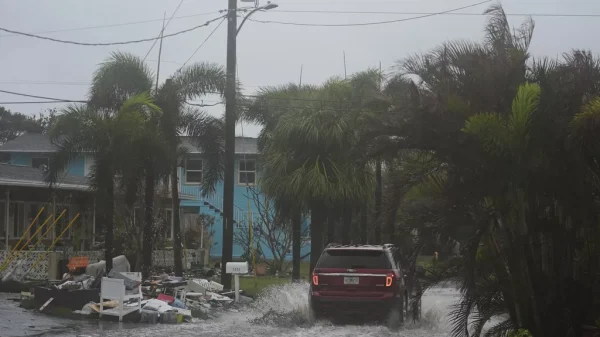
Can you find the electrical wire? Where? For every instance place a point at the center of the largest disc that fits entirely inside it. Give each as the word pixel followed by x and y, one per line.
pixel 368 23
pixel 115 24
pixel 41 102
pixel 40 97
pixel 204 105
pixel 428 13
pixel 202 44
pixel 111 43
pixel 162 31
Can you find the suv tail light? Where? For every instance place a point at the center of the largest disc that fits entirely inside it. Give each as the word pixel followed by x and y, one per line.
pixel 315 279
pixel 389 280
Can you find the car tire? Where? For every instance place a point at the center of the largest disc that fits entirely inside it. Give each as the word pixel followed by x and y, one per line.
pixel 395 317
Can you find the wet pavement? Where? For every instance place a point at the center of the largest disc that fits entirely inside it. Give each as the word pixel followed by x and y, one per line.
pixel 280 312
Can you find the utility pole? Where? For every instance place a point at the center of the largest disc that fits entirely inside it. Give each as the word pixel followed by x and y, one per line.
pixel 227 252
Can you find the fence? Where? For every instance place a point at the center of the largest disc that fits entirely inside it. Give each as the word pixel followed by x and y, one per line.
pixel 160 258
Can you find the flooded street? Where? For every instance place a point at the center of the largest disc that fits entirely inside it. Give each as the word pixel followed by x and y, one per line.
pixel 280 312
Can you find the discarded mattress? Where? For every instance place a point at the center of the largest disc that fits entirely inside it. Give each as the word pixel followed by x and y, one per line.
pixel 120 264
pixel 162 307
pixel 207 285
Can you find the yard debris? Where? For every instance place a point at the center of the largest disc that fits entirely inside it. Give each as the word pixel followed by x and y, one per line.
pixel 166 298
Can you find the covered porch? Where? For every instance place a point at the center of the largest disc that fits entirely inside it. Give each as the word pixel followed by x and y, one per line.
pixel 24 199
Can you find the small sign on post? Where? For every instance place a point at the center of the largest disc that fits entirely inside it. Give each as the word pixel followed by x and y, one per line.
pixel 237 269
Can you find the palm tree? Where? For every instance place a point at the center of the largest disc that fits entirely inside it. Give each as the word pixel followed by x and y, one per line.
pixel 515 181
pixel 106 135
pixel 266 109
pixel 305 157
pixel 124 75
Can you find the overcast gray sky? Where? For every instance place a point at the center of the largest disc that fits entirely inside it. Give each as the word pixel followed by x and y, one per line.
pixel 268 54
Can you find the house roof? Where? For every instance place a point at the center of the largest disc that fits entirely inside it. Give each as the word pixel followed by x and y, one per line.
pixel 40 143
pixel 25 176
pixel 243 145
pixel 29 142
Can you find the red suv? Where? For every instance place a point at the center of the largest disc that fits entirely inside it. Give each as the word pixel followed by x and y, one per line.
pixel 363 280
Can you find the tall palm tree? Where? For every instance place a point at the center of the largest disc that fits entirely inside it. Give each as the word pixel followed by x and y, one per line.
pixel 124 75
pixel 516 183
pixel 266 110
pixel 107 136
pixel 305 158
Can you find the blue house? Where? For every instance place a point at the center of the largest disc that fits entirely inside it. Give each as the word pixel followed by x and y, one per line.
pixel 29 152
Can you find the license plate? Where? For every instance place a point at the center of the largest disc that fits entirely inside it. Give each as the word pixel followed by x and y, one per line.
pixel 350 280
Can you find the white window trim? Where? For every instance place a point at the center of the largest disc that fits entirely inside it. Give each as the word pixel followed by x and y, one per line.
pixel 239 180
pixel 186 171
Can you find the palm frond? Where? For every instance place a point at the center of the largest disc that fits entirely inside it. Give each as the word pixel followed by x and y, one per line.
pixel 199 79
pixel 207 133
pixel 121 76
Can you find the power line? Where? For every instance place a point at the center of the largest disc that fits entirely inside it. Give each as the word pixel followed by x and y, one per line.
pixel 75 83
pixel 368 23
pixel 428 13
pixel 40 97
pixel 45 83
pixel 41 102
pixel 111 43
pixel 162 31
pixel 202 44
pixel 204 105
pixel 115 24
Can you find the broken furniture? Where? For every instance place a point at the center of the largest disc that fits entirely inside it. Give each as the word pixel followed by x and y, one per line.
pixel 115 289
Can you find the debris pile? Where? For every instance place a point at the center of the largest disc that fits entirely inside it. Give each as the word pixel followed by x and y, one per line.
pixel 160 299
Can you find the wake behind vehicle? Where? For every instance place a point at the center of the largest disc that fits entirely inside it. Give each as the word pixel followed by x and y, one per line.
pixel 364 281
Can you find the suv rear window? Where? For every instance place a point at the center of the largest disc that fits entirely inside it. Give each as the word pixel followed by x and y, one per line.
pixel 354 259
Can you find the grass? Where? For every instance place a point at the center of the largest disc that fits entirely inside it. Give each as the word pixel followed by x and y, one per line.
pixel 254 286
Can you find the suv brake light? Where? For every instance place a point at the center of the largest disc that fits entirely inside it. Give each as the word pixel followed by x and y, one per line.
pixel 389 279
pixel 315 279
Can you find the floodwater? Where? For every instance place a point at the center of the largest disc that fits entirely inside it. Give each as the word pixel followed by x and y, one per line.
pixel 282 311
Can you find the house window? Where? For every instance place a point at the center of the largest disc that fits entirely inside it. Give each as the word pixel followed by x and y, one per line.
pixel 38 162
pixel 193 171
pixel 247 172
pixel 16 218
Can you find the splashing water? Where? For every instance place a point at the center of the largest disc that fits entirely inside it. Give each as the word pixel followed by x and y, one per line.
pixel 279 311
pixel 286 306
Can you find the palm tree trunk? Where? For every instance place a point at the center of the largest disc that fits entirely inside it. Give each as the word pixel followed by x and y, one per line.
pixel 331 220
pixel 109 218
pixel 296 240
pixel 346 224
pixel 148 221
pixel 364 219
pixel 318 215
pixel 176 228
pixel 390 225
pixel 378 198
